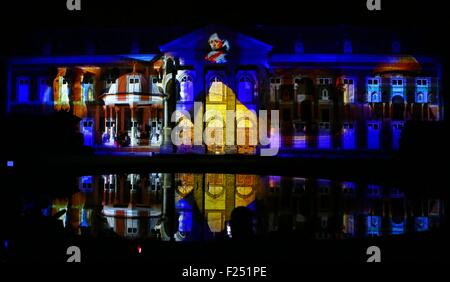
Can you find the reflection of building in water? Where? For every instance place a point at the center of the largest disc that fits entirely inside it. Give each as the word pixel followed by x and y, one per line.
pixel 327 209
pixel 132 203
pixel 213 201
pixel 77 213
pixel 195 206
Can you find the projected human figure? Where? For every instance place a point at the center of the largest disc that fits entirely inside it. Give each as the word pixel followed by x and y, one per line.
pixel 219 49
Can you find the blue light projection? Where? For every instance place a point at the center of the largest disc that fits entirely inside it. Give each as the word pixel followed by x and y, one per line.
pixel 373 135
pixel 86 128
pixel 421 223
pixel 324 140
pixel 422 90
pixel 374 191
pixel 185 215
pixel 373 225
pixel 10 163
pixel 397 128
pixel 398 87
pixel 23 89
pixel 348 136
pixel 86 184
pixel 397 227
pixel 373 90
pixel 84 221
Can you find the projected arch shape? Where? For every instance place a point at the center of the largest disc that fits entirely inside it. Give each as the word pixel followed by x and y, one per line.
pixel 186 132
pixel 375 97
pixel 246 89
pixel 217 89
pixel 420 97
pixel 325 95
pixel 186 88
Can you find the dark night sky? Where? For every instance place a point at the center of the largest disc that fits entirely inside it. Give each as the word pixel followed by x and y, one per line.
pixel 27 22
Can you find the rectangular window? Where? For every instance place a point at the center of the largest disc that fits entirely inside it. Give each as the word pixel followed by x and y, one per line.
pixel 324 81
pixel 88 89
pixel 422 90
pixel 373 90
pixel 23 89
pixel 133 84
pixel 274 89
pixel 349 91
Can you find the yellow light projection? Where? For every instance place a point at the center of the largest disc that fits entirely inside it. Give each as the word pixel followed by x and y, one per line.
pixel 220 104
pixel 215 130
pixel 214 192
pixel 245 193
pixel 215 221
pixel 217 92
pixel 185 184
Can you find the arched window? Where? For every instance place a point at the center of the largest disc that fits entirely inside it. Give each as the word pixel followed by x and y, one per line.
pixel 374 97
pixel 63 91
pixel 419 97
pixel 245 89
pixel 186 88
pixel 324 95
pixel 88 88
pixel 216 89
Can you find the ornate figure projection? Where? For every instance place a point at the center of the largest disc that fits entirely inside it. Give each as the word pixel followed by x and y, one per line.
pixel 219 49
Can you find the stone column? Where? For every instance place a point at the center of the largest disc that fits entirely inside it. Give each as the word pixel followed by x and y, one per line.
pixel 166 146
pixel 168 206
pixel 111 127
pixel 132 202
pixel 105 189
pixel 105 109
pixel 116 190
pixel 133 126
pixel 116 126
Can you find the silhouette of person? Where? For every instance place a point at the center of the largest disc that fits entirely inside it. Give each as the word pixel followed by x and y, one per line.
pixel 241 224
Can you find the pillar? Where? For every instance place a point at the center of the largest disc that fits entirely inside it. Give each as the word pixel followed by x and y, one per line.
pixel 133 126
pixel 106 132
pixel 116 190
pixel 168 207
pixel 116 125
pixel 105 189
pixel 132 202
pixel 166 146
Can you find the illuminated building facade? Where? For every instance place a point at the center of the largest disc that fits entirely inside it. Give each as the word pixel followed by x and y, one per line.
pixel 326 101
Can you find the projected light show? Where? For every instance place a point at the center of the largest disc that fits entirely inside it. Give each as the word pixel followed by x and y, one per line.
pixel 237 146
